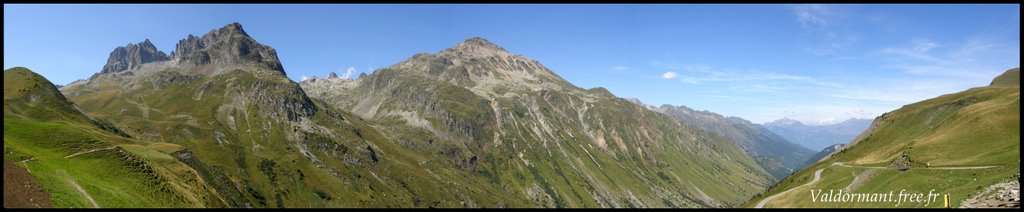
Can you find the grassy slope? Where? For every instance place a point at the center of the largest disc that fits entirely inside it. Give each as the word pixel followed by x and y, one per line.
pixel 257 153
pixel 977 127
pixel 1008 78
pixel 45 130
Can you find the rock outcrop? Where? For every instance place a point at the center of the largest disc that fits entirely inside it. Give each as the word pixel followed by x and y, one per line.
pixel 221 50
pixel 225 48
pixel 132 56
pixel 1001 195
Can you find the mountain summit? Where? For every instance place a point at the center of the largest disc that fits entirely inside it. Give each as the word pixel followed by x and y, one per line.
pixel 483 67
pixel 220 50
pixel 535 136
pixel 784 121
pixel 132 56
pixel 476 47
pixel 1008 78
pixel 225 49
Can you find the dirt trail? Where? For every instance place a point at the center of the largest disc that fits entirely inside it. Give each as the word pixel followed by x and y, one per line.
pixel 859 179
pixel 90 151
pixel 86 194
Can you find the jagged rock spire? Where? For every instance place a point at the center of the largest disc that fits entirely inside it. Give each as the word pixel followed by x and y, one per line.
pixel 132 56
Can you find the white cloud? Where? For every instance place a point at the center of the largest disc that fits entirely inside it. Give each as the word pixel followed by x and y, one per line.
pixel 669 75
pixel 304 78
pixel 827 121
pixel 348 72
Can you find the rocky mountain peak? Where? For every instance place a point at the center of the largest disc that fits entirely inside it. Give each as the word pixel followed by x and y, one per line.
pixel 478 42
pixel 476 47
pixel 132 56
pixel 226 48
pixel 332 75
pixel 234 27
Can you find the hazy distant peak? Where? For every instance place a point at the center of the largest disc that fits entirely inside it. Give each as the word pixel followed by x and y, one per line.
pixel 784 121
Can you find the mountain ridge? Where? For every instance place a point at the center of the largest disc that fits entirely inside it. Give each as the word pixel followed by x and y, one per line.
pixel 450 129
pixel 774 153
pixel 495 106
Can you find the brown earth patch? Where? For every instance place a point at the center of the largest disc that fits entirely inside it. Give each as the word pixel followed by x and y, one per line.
pixel 21 189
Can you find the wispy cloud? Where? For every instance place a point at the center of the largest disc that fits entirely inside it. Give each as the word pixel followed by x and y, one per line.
pixel 621 69
pixel 761 76
pixel 821 23
pixel 812 15
pixel 926 69
pixel 894 93
pixel 702 73
pixel 919 49
pixel 968 61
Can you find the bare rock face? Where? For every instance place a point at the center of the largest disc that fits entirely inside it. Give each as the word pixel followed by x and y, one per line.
pixel 132 56
pixel 477 47
pixel 221 50
pixel 1000 195
pixel 226 48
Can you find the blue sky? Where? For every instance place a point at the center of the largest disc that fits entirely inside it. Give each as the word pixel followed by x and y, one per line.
pixel 812 63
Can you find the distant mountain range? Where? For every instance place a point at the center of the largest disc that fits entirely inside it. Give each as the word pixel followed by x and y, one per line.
pixel 817 137
pixel 774 153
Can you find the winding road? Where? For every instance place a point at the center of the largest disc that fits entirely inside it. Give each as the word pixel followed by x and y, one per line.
pixel 817 176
